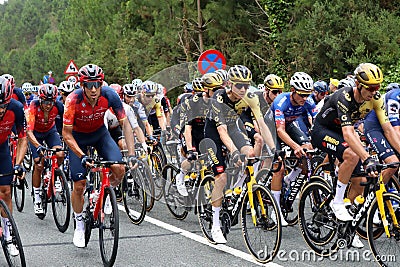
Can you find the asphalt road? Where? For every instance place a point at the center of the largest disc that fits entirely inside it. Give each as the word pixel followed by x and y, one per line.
pixel 162 240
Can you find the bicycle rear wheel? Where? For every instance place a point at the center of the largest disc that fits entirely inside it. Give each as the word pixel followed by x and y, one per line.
pixel 61 201
pixel 14 240
pixel 18 191
pixel 28 162
pixel 263 238
pixel 134 196
pixel 108 227
pixel 148 185
pixel 204 206
pixel 385 249
pixel 174 201
pixel 315 219
pixel 156 170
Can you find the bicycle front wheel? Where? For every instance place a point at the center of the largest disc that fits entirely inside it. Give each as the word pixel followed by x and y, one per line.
pixel 12 246
pixel 18 191
pixel 134 196
pixel 174 201
pixel 109 227
pixel 385 249
pixel 204 207
pixel 61 201
pixel 262 237
pixel 156 170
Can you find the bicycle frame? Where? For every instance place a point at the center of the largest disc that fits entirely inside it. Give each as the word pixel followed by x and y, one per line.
pixel 13 148
pixel 54 167
pixel 105 181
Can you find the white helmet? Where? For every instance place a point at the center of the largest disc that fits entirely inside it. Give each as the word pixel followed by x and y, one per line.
pixel 302 81
pixel 129 89
pixel 26 87
pixel 346 82
pixel 66 87
pixel 261 87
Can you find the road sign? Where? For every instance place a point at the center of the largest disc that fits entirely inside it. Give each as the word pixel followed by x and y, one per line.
pixel 211 60
pixel 71 68
pixel 72 79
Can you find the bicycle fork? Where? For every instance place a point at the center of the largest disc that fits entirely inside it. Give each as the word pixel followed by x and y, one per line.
pixel 251 197
pixel 381 208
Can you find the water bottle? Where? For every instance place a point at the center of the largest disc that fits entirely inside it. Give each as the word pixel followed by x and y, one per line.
pixel 395 204
pixel 356 205
pixel 93 199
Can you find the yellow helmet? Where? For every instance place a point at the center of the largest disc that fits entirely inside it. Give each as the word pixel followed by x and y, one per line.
pixel 239 73
pixel 212 81
pixel 368 74
pixel 274 82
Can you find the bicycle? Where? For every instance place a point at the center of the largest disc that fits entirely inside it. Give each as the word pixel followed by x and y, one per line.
pixel 326 236
pixel 55 190
pixel 262 234
pixel 18 186
pixel 156 161
pixel 147 174
pixel 102 211
pixel 15 240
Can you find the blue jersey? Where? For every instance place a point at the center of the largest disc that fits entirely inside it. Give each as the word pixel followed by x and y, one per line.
pixel 285 112
pixel 392 105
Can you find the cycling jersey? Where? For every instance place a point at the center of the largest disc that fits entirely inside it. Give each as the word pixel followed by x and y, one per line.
pixel 392 106
pixel 19 96
pixel 181 98
pixel 14 115
pixel 111 121
pixel 285 112
pixel 36 120
pixel 155 104
pixel 341 109
pixel 84 118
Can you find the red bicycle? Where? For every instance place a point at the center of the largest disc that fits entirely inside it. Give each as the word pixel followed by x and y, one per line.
pixel 18 186
pixel 55 190
pixel 102 210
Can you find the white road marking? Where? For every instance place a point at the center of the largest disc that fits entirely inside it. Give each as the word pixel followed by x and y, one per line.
pixel 203 240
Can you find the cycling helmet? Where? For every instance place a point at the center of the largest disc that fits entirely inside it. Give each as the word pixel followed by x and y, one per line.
pixel 66 87
pixel 321 87
pixel 368 74
pixel 129 89
pixel 197 85
pixel 117 88
pixel 10 78
pixel 392 86
pixel 160 89
pixel 261 87
pixel 301 81
pixel 335 82
pixel 346 82
pixel 48 92
pixel 223 74
pixel 188 88
pixel 239 74
pixel 35 88
pixel 6 90
pixel 149 87
pixel 26 87
pixel 137 82
pixel 274 82
pixel 90 72
pixel 212 81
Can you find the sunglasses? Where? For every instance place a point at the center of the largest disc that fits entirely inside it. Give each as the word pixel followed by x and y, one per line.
pixel 149 95
pixel 91 85
pixel 324 93
pixel 303 95
pixel 275 92
pixel 46 102
pixel 241 85
pixel 3 106
pixel 371 88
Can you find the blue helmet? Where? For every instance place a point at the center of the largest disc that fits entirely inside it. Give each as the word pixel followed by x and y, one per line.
pixel 321 86
pixel 188 88
pixel 392 86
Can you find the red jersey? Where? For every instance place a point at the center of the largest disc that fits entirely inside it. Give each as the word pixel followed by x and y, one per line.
pixel 14 115
pixel 35 116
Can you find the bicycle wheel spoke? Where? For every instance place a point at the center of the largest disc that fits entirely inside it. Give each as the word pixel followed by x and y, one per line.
pixel 61 202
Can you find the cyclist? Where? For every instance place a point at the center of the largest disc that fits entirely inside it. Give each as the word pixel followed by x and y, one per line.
pixel 65 88
pixel 274 85
pixel 192 118
pixel 84 126
pixel 287 107
pixel 392 86
pixel 27 90
pixel 221 127
pixel 11 114
pixel 17 92
pixel 41 116
pixel 333 84
pixel 224 75
pixel 187 91
pixel 333 131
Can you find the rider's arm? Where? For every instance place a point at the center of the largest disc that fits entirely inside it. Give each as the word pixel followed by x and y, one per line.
pixel 226 139
pixel 266 133
pixel 188 136
pixel 70 141
pixel 354 142
pixel 391 135
pixel 129 138
pixel 22 145
pixel 280 128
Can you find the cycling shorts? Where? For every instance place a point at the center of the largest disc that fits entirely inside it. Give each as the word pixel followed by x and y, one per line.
pixel 102 141
pixel 52 139
pixel 6 164
pixel 297 135
pixel 116 133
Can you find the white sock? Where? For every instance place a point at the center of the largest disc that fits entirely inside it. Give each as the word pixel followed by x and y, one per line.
pixel 80 224
pixel 340 190
pixel 215 211
pixel 277 196
pixel 292 175
pixel 6 224
pixel 37 190
pixel 180 178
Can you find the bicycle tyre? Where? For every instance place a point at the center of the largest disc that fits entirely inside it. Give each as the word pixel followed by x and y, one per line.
pixel 262 244
pixel 19 194
pixel 175 202
pixel 148 185
pixel 204 207
pixel 109 244
pixel 134 196
pixel 381 245
pixel 88 224
pixel 15 239
pixel 61 202
pixel 156 170
pixel 43 194
pixel 314 220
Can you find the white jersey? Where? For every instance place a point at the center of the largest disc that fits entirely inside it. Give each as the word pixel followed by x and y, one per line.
pixel 111 121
